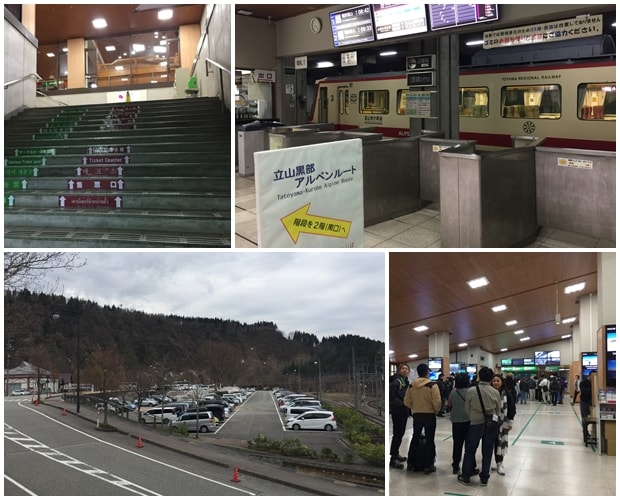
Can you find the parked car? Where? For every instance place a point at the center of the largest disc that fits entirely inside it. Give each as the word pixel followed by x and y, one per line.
pixel 301 402
pixel 220 412
pixel 148 402
pixel 204 423
pixel 21 392
pixel 293 412
pixel 315 419
pixel 157 415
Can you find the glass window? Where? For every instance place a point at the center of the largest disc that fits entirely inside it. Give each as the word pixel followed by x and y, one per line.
pixel 52 66
pixel 474 101
pixel 401 99
pixel 532 101
pixel 374 102
pixel 596 101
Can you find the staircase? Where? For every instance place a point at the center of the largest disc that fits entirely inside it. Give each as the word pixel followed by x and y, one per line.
pixel 144 174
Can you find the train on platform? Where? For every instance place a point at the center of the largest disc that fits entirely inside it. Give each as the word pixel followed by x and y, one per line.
pixel 571 103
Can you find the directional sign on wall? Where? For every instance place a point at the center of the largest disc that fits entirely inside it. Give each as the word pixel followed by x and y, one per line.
pixel 105 160
pixel 95 184
pixel 90 201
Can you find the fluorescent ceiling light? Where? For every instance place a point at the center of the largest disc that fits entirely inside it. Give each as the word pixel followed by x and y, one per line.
pixel 421 328
pixel 65 49
pixel 245 12
pixel 119 68
pixel 501 307
pixel 524 339
pixel 504 349
pixel 519 332
pixel 568 336
pixel 50 54
pixel 388 53
pixel 478 282
pixel 154 81
pixel 139 47
pixel 110 48
pixel 99 23
pixel 577 287
pixel 325 64
pixel 511 322
pixel 568 320
pixel 158 49
pixel 411 356
pixel 463 344
pixel 125 79
pixel 474 42
pixel 164 15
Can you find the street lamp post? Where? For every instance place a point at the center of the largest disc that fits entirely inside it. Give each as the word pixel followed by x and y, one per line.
pixel 77 314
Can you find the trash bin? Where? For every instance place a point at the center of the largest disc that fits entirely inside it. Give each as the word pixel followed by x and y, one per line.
pixel 252 137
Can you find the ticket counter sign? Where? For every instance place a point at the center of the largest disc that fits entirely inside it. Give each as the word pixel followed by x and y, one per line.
pixel 310 196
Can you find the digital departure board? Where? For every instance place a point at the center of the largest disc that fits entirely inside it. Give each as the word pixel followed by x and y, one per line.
pixel 393 20
pixel 444 16
pixel 352 25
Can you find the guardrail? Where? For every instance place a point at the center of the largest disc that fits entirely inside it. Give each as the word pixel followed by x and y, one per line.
pixel 22 79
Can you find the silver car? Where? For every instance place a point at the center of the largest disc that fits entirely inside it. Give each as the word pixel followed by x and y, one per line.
pixel 204 422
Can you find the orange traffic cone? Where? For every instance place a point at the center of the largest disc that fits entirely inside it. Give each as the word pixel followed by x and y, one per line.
pixel 36 402
pixel 139 445
pixel 235 478
pixel 64 412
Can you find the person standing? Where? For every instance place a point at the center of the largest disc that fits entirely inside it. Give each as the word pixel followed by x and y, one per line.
pixel 424 401
pixel 524 390
pixel 491 405
pixel 441 383
pixel 575 390
pixel 544 389
pixel 400 413
pixel 459 418
pixel 585 397
pixel 507 416
pixel 554 390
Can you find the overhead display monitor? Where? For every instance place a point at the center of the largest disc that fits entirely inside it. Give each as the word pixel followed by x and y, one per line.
pixel 448 15
pixel 540 358
pixel 506 362
pixel 528 362
pixel 434 364
pixel 351 26
pixel 517 361
pixel 399 19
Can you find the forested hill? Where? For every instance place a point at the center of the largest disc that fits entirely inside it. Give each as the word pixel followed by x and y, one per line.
pixel 186 348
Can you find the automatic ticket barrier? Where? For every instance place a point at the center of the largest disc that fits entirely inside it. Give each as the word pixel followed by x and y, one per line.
pixel 576 191
pixel 488 199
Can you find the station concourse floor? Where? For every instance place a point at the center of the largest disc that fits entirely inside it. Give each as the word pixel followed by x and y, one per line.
pixel 546 457
pixel 420 229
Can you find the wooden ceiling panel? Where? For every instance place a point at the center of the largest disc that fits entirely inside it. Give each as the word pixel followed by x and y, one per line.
pixel 431 289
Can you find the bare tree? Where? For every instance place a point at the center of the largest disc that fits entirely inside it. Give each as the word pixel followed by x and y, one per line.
pixel 106 371
pixel 23 269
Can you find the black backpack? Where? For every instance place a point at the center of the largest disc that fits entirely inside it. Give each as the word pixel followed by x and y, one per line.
pixel 554 386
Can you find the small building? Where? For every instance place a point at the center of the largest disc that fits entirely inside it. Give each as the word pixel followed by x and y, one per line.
pixel 29 376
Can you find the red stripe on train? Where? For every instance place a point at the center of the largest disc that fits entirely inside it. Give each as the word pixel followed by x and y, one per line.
pixel 505 141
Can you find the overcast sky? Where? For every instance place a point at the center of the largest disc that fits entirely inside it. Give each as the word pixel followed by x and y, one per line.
pixel 324 293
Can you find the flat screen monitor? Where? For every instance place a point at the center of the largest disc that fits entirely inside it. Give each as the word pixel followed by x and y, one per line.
pixel 434 363
pixel 589 362
pixel 517 361
pixel 506 362
pixel 540 358
pixel 457 367
pixel 447 15
pixel 399 19
pixel 434 376
pixel 610 339
pixel 351 26
pixel 610 334
pixel 471 369
pixel 528 361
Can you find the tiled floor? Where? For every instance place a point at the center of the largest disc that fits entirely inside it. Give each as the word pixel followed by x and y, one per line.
pixel 420 229
pixel 546 457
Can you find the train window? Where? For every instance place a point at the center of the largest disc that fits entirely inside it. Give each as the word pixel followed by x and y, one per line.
pixel 343 101
pixel 401 99
pixel 474 101
pixel 596 101
pixel 374 102
pixel 532 101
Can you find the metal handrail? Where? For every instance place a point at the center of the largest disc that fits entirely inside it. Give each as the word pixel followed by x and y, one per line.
pixel 218 65
pixel 22 79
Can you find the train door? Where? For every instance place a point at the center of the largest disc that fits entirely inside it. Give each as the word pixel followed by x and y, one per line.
pixel 323 115
pixel 343 105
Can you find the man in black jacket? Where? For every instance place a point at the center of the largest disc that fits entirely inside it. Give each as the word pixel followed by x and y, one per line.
pixel 400 413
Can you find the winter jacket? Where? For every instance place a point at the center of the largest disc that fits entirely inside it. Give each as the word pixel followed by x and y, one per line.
pixel 490 398
pixel 423 397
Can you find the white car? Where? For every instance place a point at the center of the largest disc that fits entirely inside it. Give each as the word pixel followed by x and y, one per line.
pixel 20 392
pixel 315 419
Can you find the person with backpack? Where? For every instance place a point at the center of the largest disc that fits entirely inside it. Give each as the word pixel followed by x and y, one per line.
pixel 400 413
pixel 441 383
pixel 524 390
pixel 554 390
pixel 483 406
pixel 424 401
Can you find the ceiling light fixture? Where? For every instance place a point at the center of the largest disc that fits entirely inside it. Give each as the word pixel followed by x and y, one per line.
pixel 577 287
pixel 325 64
pixel 119 68
pixel 100 23
pixel 519 332
pixel 138 47
pixel 411 356
pixel 463 344
pixel 568 336
pixel 421 328
pixel 504 349
pixel 474 42
pixel 501 307
pixel 50 54
pixel 164 15
pixel 110 48
pixel 524 339
pixel 478 282
pixel 245 12
pixel 388 53
pixel 511 322
pixel 568 320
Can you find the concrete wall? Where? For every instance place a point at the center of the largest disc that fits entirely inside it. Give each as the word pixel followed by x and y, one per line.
pixel 20 59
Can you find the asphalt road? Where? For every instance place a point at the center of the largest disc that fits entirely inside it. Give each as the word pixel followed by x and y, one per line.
pixel 47 454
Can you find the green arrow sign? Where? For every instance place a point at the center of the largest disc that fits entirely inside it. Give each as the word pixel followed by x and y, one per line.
pixel 16 184
pixel 48 136
pixel 24 162
pixel 21 172
pixel 35 152
pixel 9 200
